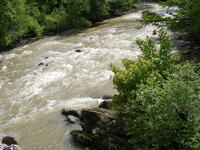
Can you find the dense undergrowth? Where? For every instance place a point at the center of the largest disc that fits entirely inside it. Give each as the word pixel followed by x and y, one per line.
pixel 158 94
pixel 160 98
pixel 30 18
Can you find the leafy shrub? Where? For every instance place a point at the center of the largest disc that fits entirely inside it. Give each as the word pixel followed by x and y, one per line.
pixel 9 23
pixel 151 17
pixel 160 99
pixel 152 64
pixel 166 116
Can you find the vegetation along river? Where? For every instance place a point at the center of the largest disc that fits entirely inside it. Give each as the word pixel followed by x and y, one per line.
pixel 68 70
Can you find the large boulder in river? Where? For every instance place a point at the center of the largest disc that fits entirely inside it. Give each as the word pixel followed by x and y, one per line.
pixel 101 129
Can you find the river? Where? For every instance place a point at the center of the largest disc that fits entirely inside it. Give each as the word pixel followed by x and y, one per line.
pixel 37 80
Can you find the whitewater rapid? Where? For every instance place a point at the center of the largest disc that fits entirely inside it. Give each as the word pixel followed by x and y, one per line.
pixel 70 70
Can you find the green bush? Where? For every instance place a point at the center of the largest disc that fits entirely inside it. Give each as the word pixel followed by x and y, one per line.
pixel 188 19
pixel 9 25
pixel 119 6
pixel 166 115
pixel 151 17
pixel 30 18
pixel 160 99
pixel 154 63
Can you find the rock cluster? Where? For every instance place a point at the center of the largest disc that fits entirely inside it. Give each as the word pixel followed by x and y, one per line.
pixel 101 129
pixel 7 142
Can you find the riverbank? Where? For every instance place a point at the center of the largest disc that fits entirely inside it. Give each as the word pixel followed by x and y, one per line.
pixel 26 40
pixel 36 18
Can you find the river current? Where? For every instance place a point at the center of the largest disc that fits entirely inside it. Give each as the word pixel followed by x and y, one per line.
pixel 70 70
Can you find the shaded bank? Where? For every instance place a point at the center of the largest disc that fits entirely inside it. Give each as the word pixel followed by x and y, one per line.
pixel 24 19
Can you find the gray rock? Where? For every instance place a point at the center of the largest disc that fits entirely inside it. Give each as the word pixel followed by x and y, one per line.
pixel 12 147
pixel 72 119
pixel 3 146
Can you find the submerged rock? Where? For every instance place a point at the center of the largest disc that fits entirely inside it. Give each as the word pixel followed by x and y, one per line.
pixel 40 64
pixel 155 32
pixel 78 51
pixel 106 97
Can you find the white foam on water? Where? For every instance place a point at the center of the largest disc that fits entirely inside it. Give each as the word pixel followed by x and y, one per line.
pixel 25 53
pixel 132 16
pixel 10 56
pixel 3 68
pixel 37 83
pixel 52 105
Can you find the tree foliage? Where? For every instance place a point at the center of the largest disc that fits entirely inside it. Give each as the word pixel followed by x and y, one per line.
pixel 29 18
pixel 160 99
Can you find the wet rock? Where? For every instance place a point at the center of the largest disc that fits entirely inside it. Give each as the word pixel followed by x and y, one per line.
pixel 69 112
pixel 8 143
pixel 82 138
pixel 101 129
pixel 3 146
pixel 106 97
pixel 8 140
pixel 105 105
pixel 78 51
pixel 12 147
pixel 40 64
pixel 89 119
pixel 154 32
pixel 71 119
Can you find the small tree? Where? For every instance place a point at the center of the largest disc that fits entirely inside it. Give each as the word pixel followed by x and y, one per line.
pixel 160 99
pixel 154 63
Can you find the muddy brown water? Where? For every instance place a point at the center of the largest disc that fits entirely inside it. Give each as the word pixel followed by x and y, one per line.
pixel 72 71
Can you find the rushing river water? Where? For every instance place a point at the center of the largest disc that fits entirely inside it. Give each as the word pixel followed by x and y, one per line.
pixel 39 79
